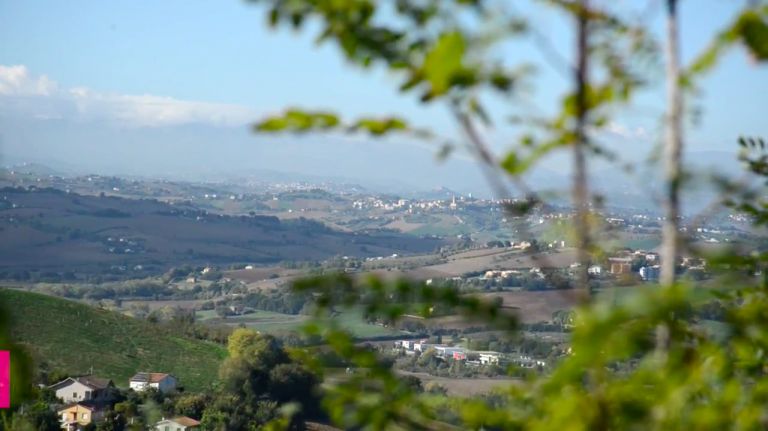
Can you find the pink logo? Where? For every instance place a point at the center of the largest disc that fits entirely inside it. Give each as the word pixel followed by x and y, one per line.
pixel 5 379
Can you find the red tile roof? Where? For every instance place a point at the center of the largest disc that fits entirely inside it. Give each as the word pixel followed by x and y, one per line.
pixel 149 377
pixel 185 421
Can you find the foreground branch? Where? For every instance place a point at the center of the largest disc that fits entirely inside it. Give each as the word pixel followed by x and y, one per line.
pixel 580 188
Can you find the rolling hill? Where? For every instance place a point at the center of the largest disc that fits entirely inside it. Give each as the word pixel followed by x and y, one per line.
pixel 52 230
pixel 74 337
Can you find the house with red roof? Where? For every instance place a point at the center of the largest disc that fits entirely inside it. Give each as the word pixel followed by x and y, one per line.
pixel 179 423
pixel 163 382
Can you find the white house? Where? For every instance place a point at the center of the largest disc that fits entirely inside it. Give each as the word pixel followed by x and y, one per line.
pixel 487 358
pixel 595 270
pixel 529 362
pixel 447 351
pixel 650 273
pixel 180 423
pixel 161 381
pixel 83 388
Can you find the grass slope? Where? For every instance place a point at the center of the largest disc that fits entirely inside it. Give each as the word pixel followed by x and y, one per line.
pixel 74 337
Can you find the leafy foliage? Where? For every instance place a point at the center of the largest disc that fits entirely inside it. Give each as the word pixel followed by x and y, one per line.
pixel 298 121
pixel 258 379
pixel 614 377
pixel 750 28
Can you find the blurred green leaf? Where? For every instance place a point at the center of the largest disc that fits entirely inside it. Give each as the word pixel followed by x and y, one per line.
pixel 444 61
pixel 754 33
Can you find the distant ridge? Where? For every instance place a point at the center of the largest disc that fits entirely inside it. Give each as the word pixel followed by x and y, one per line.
pixel 51 230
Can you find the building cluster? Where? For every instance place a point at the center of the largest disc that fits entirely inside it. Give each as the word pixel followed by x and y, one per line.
pixel 412 206
pixel 121 245
pixel 646 264
pixel 84 400
pixel 625 263
pixel 467 356
pixel 500 274
pixel 400 204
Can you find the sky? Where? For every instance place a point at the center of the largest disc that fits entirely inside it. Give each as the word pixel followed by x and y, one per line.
pixel 144 87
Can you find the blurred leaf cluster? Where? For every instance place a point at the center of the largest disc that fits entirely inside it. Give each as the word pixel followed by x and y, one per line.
pixel 612 378
pixel 615 376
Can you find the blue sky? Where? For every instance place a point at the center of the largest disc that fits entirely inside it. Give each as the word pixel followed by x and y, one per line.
pixel 192 50
pixel 180 57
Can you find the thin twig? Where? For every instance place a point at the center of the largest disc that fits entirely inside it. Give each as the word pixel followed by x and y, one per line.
pixel 547 48
pixel 488 159
pixel 490 168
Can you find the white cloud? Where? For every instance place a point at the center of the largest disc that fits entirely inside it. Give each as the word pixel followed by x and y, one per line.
pixel 24 94
pixel 626 132
pixel 16 80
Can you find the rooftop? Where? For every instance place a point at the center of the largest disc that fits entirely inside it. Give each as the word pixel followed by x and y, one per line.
pixel 184 421
pixel 145 377
pixel 92 382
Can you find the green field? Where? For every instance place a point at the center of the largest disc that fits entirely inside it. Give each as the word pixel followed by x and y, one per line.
pixel 277 323
pixel 704 291
pixel 264 321
pixel 353 321
pixel 73 337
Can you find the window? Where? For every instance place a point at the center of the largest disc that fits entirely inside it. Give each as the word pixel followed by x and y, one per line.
pixel 74 394
pixel 167 428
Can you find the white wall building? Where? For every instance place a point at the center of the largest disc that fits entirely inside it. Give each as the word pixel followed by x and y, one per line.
pixel 161 381
pixel 595 270
pixel 83 388
pixel 180 423
pixel 488 358
pixel 650 273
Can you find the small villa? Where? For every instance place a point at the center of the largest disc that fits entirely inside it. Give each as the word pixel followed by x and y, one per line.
pixel 163 382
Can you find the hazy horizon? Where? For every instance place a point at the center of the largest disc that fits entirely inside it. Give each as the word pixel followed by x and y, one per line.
pixel 122 92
